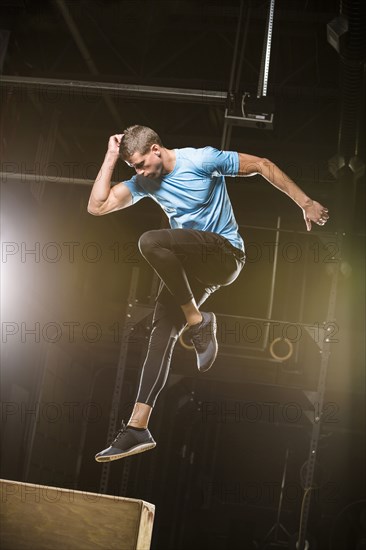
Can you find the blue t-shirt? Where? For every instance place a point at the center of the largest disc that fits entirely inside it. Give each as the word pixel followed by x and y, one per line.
pixel 194 195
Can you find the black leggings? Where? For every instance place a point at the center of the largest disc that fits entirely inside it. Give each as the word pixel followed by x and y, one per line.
pixel 191 264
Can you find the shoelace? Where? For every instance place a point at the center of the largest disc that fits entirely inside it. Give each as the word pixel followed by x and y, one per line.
pixel 122 430
pixel 202 336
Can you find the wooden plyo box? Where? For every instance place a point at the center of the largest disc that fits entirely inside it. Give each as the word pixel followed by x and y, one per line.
pixel 39 517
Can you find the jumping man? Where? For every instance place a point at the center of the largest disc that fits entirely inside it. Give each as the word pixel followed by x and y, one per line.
pixel 201 252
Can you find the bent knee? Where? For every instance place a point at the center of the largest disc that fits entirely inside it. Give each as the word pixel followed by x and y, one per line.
pixel 145 241
pixel 150 240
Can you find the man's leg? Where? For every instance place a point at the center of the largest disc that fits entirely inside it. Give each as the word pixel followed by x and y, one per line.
pixel 191 264
pixel 168 322
pixel 182 258
pixel 181 255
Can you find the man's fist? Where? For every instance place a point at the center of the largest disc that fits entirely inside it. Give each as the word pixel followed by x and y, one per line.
pixel 114 143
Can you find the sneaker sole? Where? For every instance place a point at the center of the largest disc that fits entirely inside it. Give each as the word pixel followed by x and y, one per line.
pixel 133 451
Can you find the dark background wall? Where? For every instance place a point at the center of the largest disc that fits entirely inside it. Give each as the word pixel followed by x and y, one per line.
pixel 222 439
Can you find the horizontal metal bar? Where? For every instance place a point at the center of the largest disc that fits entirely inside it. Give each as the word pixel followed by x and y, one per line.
pixel 135 91
pixel 37 178
pixel 251 357
pixel 266 320
pixel 127 90
pixel 265 228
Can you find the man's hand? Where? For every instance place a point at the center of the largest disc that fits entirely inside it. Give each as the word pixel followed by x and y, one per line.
pixel 316 213
pixel 114 143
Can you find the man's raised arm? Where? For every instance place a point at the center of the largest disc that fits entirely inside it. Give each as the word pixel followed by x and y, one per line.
pixel 313 211
pixel 104 198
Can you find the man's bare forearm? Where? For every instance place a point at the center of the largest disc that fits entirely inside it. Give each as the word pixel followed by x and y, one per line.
pixel 313 211
pixel 250 165
pixel 281 181
pixel 102 184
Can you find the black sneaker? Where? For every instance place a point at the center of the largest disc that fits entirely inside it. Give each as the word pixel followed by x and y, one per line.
pixel 203 337
pixel 127 442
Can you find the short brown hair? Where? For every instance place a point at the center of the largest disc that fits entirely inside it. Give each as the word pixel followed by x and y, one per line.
pixel 138 139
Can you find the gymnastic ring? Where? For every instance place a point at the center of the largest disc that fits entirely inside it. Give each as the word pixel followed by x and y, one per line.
pixel 182 342
pixel 290 349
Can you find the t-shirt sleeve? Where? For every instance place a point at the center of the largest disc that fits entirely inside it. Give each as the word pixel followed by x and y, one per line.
pixel 136 190
pixel 216 162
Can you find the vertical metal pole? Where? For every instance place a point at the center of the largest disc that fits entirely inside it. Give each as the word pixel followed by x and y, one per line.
pixel 325 353
pixel 273 283
pixel 103 487
pixel 235 74
pixel 242 48
pixel 236 47
pixel 33 423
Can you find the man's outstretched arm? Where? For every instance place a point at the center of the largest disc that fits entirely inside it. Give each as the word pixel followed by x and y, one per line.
pixel 104 198
pixel 313 211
